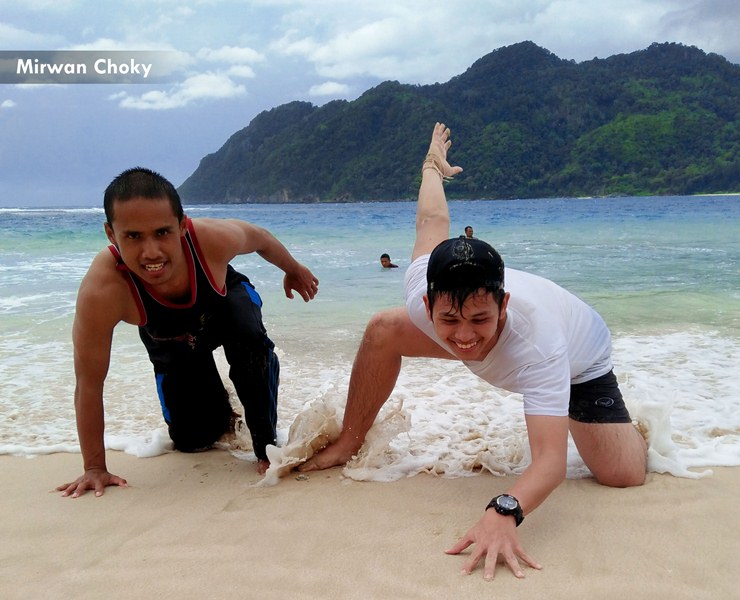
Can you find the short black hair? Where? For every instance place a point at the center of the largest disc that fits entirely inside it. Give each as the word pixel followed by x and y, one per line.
pixel 459 268
pixel 139 182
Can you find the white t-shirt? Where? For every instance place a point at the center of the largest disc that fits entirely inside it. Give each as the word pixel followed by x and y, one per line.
pixel 551 339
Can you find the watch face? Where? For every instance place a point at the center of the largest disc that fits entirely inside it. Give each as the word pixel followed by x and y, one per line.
pixel 507 502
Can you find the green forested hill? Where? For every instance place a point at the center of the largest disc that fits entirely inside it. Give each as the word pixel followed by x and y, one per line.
pixel 525 123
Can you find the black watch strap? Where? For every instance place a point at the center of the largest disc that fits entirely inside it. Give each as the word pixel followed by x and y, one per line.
pixel 514 511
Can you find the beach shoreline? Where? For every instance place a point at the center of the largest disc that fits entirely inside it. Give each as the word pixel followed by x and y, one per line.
pixel 195 526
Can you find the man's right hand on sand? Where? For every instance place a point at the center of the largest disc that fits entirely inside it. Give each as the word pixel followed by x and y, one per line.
pixel 93 479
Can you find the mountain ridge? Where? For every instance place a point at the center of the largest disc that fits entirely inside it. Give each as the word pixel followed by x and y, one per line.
pixel 526 123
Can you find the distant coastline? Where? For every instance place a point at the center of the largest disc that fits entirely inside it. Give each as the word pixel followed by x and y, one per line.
pixel 98 209
pixel 526 124
pixel 454 200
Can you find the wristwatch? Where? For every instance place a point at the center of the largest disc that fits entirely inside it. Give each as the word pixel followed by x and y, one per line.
pixel 506 504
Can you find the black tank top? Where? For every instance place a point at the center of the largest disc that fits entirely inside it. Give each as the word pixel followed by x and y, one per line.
pixel 166 327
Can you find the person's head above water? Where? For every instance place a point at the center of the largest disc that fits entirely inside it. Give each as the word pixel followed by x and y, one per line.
pixel 385 261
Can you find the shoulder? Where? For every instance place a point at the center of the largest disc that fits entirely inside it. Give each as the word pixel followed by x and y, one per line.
pixel 214 241
pixel 525 282
pixel 104 293
pixel 212 230
pixel 220 240
pixel 103 271
pixel 523 279
pixel 216 235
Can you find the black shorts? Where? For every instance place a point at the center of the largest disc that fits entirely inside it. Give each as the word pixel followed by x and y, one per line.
pixel 598 401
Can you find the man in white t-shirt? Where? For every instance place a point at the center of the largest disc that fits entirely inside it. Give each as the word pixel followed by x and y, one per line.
pixel 515 330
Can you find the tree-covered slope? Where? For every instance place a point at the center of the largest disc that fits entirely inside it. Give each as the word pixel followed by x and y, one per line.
pixel 526 123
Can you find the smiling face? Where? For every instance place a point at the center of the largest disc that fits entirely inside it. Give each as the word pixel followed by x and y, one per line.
pixel 148 236
pixel 471 332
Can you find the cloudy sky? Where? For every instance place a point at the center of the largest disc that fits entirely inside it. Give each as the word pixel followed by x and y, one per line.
pixel 62 144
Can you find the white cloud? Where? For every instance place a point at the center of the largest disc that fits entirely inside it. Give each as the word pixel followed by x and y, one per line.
pixel 200 86
pixel 241 71
pixel 54 6
pixel 329 88
pixel 422 41
pixel 230 55
pixel 711 25
pixel 104 45
pixel 5 104
pixel 416 42
pixel 290 44
pixel 204 86
pixel 582 29
pixel 15 38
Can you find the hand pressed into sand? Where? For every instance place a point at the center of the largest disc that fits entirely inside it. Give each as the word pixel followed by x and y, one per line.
pixel 495 537
pixel 92 479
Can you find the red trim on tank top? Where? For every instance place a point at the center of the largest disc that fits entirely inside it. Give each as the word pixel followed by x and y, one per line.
pixel 122 268
pixel 201 259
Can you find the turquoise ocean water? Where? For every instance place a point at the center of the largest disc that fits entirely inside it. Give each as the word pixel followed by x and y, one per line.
pixel 664 272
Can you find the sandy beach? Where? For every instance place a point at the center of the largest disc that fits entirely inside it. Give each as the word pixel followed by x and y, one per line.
pixel 193 526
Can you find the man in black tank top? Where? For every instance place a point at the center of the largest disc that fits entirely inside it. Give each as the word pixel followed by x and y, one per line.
pixel 171 276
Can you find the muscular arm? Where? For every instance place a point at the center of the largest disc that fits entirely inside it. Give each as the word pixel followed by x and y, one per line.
pixel 389 336
pixel 100 306
pixel 223 239
pixel 92 337
pixel 495 535
pixel 548 441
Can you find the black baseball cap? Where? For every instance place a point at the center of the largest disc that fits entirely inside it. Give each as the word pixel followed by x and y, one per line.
pixel 464 263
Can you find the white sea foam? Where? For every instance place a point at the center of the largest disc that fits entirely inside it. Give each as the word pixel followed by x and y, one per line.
pixel 440 418
pixel 678 375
